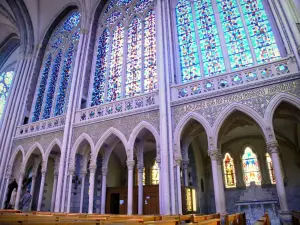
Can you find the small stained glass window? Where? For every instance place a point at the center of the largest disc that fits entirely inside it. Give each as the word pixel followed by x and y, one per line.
pixel 270 168
pixel 5 84
pixel 250 167
pixel 229 171
pixel 155 174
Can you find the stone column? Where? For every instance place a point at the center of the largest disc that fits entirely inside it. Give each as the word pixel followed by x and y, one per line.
pixel 272 148
pixel 185 165
pixel 32 188
pixel 103 191
pixel 130 166
pixel 239 173
pixel 54 192
pixel 19 190
pixel 7 178
pixel 41 190
pixel 71 173
pixel 221 186
pixel 83 174
pixel 140 168
pixel 177 164
pixel 214 155
pixel 92 185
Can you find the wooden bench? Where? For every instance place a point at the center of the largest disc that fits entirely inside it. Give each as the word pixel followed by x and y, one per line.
pixel 162 222
pixel 210 222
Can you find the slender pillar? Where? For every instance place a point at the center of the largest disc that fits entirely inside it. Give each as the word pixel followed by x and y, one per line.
pixel 103 191
pixel 179 200
pixel 54 192
pixel 8 176
pixel 19 190
pixel 83 174
pixel 71 173
pixel 41 190
pixel 92 185
pixel 32 187
pixel 185 164
pixel 221 186
pixel 272 148
pixel 214 155
pixel 140 168
pixel 130 166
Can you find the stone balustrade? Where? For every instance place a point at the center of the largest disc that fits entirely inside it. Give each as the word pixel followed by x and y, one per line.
pixel 40 126
pixel 118 107
pixel 233 79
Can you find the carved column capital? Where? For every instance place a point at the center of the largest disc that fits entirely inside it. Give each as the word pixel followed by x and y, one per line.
pixel 272 147
pixel 83 173
pixel 215 154
pixel 130 164
pixel 177 161
pixel 93 168
pixel 104 171
pixel 140 168
pixel 185 164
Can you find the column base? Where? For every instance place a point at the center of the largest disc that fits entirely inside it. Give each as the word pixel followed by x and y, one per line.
pixel 285 217
pixel 223 217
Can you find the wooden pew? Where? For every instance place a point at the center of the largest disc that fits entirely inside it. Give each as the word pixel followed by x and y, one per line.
pixel 264 220
pixel 162 222
pixel 210 222
pixel 186 218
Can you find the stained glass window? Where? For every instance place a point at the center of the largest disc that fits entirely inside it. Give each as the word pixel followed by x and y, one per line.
pixel 134 58
pixel 144 176
pixel 229 171
pixel 56 72
pixel 270 168
pixel 155 174
pixel 242 26
pixel 126 60
pixel 5 84
pixel 116 64
pixel 250 167
pixel 150 75
pixel 100 71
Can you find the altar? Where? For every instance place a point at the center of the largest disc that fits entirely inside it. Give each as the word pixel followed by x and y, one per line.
pixel 255 201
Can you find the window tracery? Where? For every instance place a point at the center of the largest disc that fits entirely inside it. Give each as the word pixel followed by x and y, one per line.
pixel 250 167
pixel 56 72
pixel 217 36
pixel 229 171
pixel 6 79
pixel 125 63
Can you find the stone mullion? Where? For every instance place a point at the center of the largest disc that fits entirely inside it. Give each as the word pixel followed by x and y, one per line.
pixel 111 36
pixel 143 56
pixel 124 65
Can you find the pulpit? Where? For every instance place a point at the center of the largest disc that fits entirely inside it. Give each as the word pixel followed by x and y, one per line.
pixel 255 201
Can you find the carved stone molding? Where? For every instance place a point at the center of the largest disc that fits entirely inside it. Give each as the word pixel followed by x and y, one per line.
pixel 104 171
pixel 130 164
pixel 272 147
pixel 215 154
pixel 140 168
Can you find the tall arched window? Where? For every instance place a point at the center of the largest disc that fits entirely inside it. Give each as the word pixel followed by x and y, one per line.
pixel 5 84
pixel 217 36
pixel 250 167
pixel 270 168
pixel 56 74
pixel 155 174
pixel 125 64
pixel 229 171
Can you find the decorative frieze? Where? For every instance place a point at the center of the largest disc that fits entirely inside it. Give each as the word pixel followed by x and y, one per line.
pixel 257 99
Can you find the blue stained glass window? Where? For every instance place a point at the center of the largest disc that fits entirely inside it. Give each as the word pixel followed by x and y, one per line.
pixel 212 56
pixel 247 36
pixel 41 90
pixel 62 45
pixel 100 70
pixel 65 77
pixel 52 85
pixel 116 62
pixel 189 58
pixel 6 79
pixel 134 58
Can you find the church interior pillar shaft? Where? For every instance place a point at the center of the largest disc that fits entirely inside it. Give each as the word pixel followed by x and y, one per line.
pixel 140 187
pixel 130 165
pixel 103 190
pixel 70 190
pixel 41 191
pixel 92 184
pixel 82 192
pixel 53 192
pixel 19 191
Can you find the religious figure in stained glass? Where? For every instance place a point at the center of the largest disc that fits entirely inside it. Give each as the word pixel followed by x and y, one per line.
pixel 54 82
pixel 155 174
pixel 241 26
pixel 5 84
pixel 270 168
pixel 229 171
pixel 126 61
pixel 250 167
